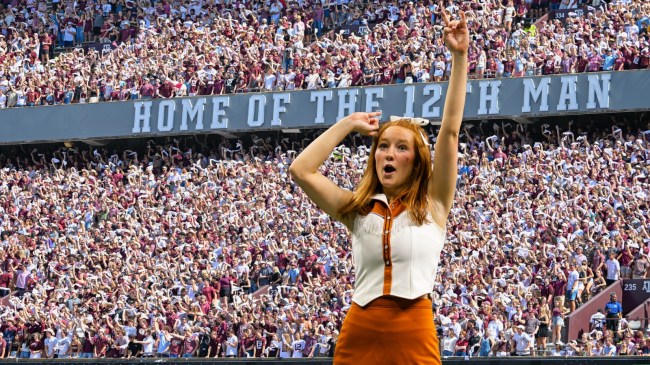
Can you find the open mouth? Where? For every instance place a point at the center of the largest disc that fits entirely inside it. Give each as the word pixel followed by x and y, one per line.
pixel 389 169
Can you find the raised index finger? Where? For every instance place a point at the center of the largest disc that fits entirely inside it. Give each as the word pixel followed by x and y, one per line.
pixel 445 17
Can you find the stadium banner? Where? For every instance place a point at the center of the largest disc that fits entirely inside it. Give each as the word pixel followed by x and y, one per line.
pixel 635 293
pixel 357 30
pixel 563 14
pixel 101 47
pixel 508 98
pixel 454 360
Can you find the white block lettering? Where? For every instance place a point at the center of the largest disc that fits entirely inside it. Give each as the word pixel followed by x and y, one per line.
pixel 541 90
pixel 371 94
pixel 256 105
pixel 320 97
pixel 142 117
pixel 410 100
pixel 347 102
pixel 278 107
pixel 428 110
pixel 192 112
pixel 492 97
pixel 568 93
pixel 166 115
pixel 219 120
pixel 598 91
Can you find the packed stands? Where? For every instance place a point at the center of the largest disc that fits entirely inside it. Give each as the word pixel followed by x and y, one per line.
pixel 111 250
pixel 199 246
pixel 84 51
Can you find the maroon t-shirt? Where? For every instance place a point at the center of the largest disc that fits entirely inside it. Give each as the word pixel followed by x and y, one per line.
pixel 259 344
pixel 357 76
pixel 36 346
pixel 175 346
pixel 222 331
pixel 248 342
pixel 626 259
pixel 559 287
pixel 509 66
pixel 87 346
pixel 209 292
pixel 386 75
pixel 100 345
pixel 6 279
pixel 218 86
pixel 298 80
pixel 189 344
pixel 644 61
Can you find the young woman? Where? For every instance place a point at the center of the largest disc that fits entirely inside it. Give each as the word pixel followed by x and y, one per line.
pixel 544 321
pixel 557 321
pixel 461 344
pixel 586 277
pixel 397 248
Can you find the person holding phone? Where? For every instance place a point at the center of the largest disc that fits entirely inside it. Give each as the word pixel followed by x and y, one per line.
pixel 396 217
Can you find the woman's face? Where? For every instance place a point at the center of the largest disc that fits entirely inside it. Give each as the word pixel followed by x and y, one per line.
pixel 394 159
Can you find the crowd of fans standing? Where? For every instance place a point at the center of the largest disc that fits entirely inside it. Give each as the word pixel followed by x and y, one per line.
pixel 128 49
pixel 157 250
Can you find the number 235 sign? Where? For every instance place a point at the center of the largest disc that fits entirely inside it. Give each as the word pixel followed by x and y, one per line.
pixel 635 293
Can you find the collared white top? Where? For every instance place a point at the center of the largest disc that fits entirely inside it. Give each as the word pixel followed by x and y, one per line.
pixel 392 254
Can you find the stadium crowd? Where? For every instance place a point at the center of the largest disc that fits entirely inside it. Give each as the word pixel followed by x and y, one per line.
pixel 128 49
pixel 199 247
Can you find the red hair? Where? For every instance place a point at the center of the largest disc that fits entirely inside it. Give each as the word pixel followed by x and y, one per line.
pixel 414 197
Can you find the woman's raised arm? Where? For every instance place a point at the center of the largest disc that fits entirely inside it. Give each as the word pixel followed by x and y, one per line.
pixel 442 185
pixel 304 169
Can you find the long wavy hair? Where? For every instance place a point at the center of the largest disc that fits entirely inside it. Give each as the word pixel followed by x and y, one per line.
pixel 414 197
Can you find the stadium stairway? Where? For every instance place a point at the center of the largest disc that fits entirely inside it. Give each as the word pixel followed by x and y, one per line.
pixel 579 319
pixel 639 317
pixel 634 295
pixel 4 301
pixel 261 291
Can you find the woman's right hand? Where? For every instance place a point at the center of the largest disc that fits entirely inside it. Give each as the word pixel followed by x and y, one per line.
pixel 366 124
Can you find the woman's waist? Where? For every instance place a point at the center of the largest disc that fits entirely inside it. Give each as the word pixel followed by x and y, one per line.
pixel 391 301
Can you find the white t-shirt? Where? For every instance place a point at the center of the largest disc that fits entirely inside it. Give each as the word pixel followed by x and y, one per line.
pixel 597 351
pixel 70 33
pixel 62 346
pixel 495 326
pixel 613 269
pixel 523 342
pixel 324 347
pixel 50 343
pixel 147 346
pixel 269 81
pixel 449 343
pixel 609 350
pixel 231 346
pixel 313 80
pixel 285 352
pixel 297 347
pixel 597 320
pixel 572 280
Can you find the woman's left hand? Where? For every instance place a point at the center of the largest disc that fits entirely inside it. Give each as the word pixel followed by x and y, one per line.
pixel 456 34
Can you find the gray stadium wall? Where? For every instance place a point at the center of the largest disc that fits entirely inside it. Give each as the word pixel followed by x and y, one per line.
pixel 513 98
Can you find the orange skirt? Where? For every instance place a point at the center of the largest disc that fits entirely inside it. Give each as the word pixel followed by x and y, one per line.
pixel 389 330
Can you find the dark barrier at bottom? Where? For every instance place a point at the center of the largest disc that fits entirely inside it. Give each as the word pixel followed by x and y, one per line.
pixel 636 360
